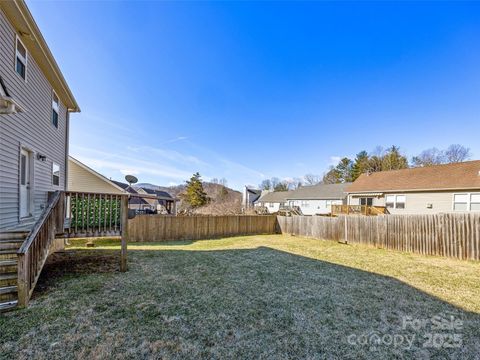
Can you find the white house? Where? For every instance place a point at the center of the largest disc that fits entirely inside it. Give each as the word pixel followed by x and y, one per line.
pixel 272 201
pixel 317 199
pixel 424 190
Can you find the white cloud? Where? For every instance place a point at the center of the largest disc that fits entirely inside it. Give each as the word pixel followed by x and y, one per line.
pixel 129 172
pixel 334 160
pixel 171 155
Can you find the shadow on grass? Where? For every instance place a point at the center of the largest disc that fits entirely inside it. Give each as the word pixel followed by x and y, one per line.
pixel 274 304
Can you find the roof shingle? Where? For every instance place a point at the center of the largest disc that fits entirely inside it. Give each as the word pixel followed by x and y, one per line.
pixel 456 176
pixel 274 197
pixel 319 192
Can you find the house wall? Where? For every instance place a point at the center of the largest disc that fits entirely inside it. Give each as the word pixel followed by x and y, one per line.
pixel 416 202
pixel 314 207
pixel 31 129
pixel 80 179
pixel 272 207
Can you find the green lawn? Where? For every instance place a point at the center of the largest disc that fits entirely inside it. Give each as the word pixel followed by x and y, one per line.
pixel 247 297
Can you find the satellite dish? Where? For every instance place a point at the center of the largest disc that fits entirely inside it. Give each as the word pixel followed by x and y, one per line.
pixel 131 179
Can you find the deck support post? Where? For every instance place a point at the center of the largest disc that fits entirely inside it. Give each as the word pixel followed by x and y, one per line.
pixel 124 227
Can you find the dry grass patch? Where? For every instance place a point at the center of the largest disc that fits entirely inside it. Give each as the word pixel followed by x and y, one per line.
pixel 244 297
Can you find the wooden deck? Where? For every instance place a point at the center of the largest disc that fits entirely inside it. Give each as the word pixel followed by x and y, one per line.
pixel 359 210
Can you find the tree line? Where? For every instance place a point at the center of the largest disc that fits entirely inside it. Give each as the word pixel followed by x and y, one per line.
pixel 380 159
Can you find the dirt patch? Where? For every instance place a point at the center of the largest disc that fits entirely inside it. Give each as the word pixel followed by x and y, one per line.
pixel 75 262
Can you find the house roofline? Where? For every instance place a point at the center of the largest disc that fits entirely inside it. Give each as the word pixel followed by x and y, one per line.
pixel 412 190
pixel 93 172
pixel 20 16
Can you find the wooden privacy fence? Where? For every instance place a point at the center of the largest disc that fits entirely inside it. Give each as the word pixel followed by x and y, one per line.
pixel 450 235
pixel 160 228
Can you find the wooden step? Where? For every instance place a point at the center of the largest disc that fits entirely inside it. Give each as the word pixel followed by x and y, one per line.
pixel 8 262
pixel 9 305
pixel 12 241
pixel 8 290
pixel 6 246
pixel 8 276
pixel 13 235
pixel 8 251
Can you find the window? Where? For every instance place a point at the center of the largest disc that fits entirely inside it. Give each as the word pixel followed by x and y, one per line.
pixel 475 202
pixel 271 205
pixel 23 169
pixel 395 201
pixel 21 59
pixel 305 203
pixel 466 202
pixel 55 110
pixel 55 174
pixel 400 202
pixel 366 201
pixel 460 202
pixel 390 201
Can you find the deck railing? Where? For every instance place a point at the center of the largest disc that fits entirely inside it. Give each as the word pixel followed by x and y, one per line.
pixel 34 251
pixel 93 214
pixel 358 210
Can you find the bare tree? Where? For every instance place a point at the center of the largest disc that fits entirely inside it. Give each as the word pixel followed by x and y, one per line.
pixel 266 185
pixel 295 183
pixel 311 179
pixel 453 154
pixel 429 157
pixel 457 153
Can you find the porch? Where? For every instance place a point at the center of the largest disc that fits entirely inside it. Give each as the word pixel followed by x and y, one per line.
pixel 23 252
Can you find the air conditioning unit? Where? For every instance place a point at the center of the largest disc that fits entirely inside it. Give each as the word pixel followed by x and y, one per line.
pixel 9 106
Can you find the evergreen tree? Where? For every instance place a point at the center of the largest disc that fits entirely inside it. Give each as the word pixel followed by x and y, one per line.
pixel 339 174
pixel 361 165
pixel 394 160
pixel 194 194
pixel 344 168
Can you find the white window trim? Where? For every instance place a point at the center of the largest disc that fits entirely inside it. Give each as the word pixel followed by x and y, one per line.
pixel 469 201
pixel 56 108
pixel 59 171
pixel 24 59
pixel 395 201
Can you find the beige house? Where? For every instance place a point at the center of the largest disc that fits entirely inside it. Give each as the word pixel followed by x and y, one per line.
pixel 84 179
pixel 426 190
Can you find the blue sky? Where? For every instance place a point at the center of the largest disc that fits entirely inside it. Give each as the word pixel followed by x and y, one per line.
pixel 250 90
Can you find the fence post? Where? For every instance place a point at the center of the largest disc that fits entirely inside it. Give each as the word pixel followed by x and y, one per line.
pixel 346 230
pixel 22 281
pixel 124 225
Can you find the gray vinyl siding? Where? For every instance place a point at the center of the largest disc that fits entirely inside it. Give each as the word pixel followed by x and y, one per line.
pixel 31 129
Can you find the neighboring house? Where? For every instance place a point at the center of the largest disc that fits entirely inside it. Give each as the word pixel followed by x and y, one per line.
pixel 424 190
pixel 249 197
pixel 35 103
pixel 82 178
pixel 135 202
pixel 164 203
pixel 318 199
pixel 273 201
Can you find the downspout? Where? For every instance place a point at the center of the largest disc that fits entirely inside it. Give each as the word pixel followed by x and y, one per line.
pixel 67 136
